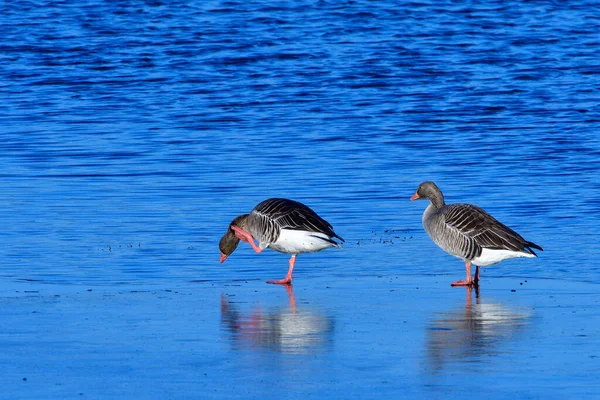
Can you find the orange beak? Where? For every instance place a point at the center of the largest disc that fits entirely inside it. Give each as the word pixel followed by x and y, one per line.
pixel 223 258
pixel 414 197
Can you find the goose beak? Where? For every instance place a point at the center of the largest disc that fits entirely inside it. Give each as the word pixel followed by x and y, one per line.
pixel 223 258
pixel 414 197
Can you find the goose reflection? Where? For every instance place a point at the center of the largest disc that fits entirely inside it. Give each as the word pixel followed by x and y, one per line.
pixel 289 329
pixel 473 333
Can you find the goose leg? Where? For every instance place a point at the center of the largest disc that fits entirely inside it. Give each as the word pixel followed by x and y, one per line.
pixel 468 281
pixel 288 278
pixel 476 279
pixel 245 237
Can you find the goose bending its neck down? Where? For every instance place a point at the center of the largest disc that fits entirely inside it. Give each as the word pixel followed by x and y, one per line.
pixel 283 225
pixel 470 233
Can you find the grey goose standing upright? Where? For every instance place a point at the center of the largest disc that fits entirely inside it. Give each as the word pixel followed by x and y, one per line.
pixel 283 225
pixel 470 233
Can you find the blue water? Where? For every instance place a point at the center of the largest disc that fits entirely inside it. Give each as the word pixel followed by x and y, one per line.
pixel 131 134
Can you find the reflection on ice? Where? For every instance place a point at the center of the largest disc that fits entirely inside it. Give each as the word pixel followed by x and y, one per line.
pixel 472 333
pixel 286 329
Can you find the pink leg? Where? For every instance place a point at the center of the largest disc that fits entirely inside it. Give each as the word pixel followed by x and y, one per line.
pixel 468 281
pixel 288 278
pixel 245 237
pixel 476 280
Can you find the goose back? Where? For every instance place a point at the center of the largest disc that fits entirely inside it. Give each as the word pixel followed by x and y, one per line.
pixel 464 230
pixel 269 217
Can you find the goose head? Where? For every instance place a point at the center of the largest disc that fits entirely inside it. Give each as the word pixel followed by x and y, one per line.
pixel 230 241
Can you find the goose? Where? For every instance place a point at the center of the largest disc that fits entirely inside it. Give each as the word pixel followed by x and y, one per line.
pixel 283 225
pixel 470 233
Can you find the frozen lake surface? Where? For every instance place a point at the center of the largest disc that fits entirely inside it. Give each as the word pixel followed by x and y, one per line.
pixel 320 338
pixel 131 135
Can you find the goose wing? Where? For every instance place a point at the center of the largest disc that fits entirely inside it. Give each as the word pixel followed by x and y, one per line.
pixel 486 231
pixel 272 215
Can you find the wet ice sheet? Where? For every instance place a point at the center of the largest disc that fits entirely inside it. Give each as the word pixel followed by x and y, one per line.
pixel 389 335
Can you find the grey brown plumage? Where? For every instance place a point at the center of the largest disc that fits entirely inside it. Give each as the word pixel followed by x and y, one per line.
pixel 283 225
pixel 269 217
pixel 469 232
pixel 465 230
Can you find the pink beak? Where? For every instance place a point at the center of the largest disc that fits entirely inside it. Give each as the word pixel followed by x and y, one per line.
pixel 414 197
pixel 223 258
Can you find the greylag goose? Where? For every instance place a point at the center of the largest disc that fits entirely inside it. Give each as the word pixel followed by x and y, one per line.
pixel 282 225
pixel 470 233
